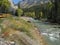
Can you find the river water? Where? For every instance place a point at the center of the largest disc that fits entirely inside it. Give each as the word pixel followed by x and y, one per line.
pixel 50 32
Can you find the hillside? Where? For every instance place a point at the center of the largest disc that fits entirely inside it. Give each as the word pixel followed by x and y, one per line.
pixel 18 30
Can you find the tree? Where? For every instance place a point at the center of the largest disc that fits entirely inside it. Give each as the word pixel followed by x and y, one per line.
pixel 19 12
pixel 37 10
pixel 57 4
pixel 50 11
pixel 4 6
pixel 55 10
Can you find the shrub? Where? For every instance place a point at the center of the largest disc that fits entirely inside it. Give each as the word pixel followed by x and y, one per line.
pixel 19 12
pixel 30 14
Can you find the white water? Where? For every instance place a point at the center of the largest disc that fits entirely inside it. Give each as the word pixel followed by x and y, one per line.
pixel 50 33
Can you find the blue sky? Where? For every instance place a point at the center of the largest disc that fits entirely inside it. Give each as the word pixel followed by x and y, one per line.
pixel 16 1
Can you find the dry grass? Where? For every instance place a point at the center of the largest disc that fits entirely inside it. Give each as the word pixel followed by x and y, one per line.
pixel 14 25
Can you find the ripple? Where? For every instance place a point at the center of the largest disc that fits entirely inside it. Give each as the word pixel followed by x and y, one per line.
pixel 44 34
pixel 52 39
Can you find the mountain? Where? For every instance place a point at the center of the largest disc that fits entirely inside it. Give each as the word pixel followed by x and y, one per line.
pixel 30 3
pixel 13 7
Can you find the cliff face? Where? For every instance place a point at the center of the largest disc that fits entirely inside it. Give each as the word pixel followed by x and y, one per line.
pixel 30 3
pixel 12 4
pixel 13 7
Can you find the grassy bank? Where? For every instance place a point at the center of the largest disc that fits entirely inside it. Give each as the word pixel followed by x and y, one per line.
pixel 19 30
pixel 15 23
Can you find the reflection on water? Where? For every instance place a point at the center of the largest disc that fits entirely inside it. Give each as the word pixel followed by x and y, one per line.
pixel 50 32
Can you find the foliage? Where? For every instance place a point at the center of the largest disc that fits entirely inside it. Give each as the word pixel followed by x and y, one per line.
pixel 19 12
pixel 58 11
pixel 4 5
pixel 49 5
pixel 30 14
pixel 33 11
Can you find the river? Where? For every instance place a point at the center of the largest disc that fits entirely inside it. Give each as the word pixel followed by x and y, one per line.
pixel 51 33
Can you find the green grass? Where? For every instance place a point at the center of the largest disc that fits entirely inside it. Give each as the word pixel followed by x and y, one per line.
pixel 1 20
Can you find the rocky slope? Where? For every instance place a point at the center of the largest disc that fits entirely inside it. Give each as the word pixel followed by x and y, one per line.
pixel 30 3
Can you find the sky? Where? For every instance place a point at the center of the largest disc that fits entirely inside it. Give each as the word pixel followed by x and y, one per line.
pixel 16 1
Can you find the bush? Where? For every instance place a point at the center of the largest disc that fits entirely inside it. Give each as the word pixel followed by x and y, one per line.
pixel 19 12
pixel 30 14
